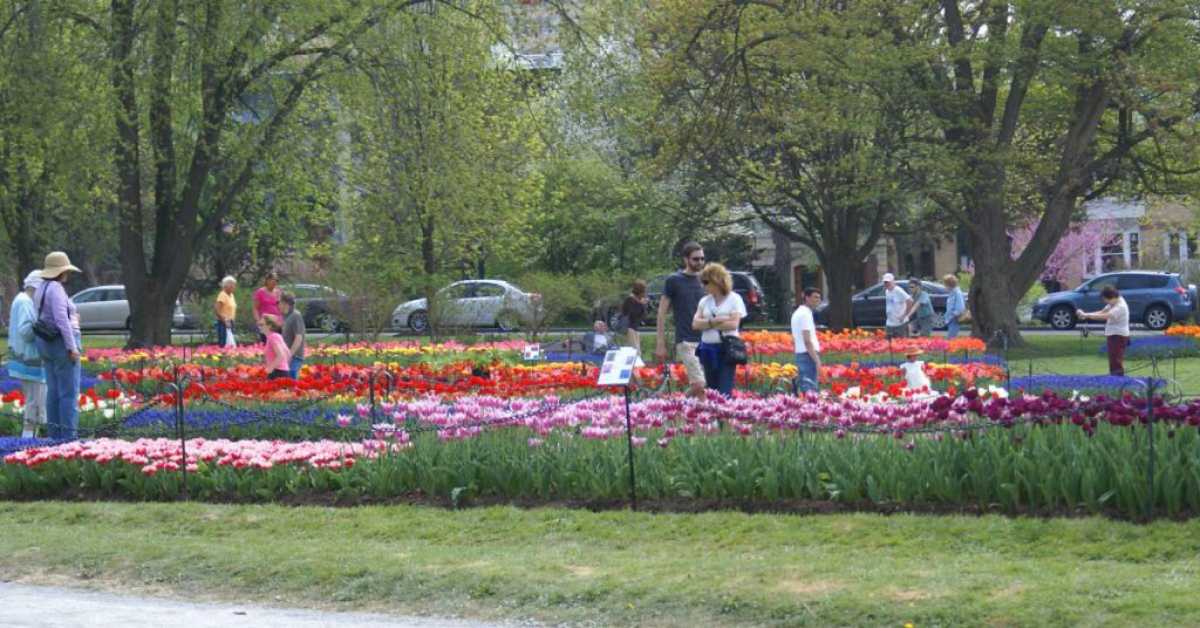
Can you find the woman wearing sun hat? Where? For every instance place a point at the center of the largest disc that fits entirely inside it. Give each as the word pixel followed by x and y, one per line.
pixel 58 346
pixel 24 362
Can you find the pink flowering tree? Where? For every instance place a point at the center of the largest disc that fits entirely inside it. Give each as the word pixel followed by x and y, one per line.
pixel 1078 244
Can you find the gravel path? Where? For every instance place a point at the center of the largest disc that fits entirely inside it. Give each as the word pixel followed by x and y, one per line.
pixel 24 606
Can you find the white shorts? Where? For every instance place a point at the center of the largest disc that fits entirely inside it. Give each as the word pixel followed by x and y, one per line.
pixel 685 354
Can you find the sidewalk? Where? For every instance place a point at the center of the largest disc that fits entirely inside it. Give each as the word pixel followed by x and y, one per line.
pixel 37 606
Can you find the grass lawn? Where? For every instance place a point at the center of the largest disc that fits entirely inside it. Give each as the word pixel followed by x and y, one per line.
pixel 620 567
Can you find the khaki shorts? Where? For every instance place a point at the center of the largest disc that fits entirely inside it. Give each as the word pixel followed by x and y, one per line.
pixel 685 354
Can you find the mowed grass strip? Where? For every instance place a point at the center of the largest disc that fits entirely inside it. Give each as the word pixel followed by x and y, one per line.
pixel 623 568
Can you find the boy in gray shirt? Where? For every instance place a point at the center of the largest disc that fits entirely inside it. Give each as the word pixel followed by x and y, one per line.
pixel 293 332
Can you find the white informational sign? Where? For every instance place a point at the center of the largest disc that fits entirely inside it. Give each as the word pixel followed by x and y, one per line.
pixel 618 367
pixel 533 352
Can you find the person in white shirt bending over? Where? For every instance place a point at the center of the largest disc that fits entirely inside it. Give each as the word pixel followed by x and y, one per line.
pixel 1116 327
pixel 808 348
pixel 914 372
pixel 896 300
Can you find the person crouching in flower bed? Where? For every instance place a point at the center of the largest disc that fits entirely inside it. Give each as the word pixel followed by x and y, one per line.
pixel 718 314
pixel 275 352
pixel 915 378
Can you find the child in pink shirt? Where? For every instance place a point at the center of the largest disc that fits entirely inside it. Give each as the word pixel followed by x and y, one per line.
pixel 278 358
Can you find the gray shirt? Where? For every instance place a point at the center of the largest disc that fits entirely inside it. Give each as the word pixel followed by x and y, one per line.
pixel 293 326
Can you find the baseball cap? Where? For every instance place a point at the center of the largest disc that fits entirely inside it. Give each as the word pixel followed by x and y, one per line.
pixel 889 277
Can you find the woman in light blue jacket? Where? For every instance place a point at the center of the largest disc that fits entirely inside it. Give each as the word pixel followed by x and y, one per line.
pixel 24 362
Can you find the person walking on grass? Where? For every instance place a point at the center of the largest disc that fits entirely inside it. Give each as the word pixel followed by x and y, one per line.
pixel 226 310
pixel 266 300
pixel 633 313
pixel 920 309
pixel 1116 327
pixel 276 356
pixel 956 306
pixel 718 314
pixel 896 300
pixel 24 362
pixel 681 294
pixel 808 348
pixel 59 346
pixel 294 334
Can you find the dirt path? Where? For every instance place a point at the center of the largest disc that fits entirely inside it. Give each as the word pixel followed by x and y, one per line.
pixel 41 606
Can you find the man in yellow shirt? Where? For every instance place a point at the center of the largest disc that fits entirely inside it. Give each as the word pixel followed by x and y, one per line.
pixel 226 310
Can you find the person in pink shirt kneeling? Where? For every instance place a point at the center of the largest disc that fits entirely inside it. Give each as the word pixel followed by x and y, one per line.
pixel 278 358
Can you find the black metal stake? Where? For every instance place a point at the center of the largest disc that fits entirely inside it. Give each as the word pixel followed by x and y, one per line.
pixel 1150 447
pixel 629 441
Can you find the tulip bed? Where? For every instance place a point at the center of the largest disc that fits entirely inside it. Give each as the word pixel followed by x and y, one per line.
pixel 451 422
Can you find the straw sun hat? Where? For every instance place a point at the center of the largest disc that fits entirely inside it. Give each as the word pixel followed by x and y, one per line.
pixel 56 264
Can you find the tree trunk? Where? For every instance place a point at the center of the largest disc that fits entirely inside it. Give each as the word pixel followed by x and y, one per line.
pixel 150 324
pixel 998 286
pixel 784 287
pixel 841 275
pixel 994 307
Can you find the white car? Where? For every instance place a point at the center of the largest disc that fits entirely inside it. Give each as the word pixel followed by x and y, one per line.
pixel 105 307
pixel 473 303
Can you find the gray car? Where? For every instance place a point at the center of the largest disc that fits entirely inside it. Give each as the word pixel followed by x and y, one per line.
pixel 472 303
pixel 106 307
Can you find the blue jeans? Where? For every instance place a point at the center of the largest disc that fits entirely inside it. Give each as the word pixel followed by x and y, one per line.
pixel 718 373
pixel 62 389
pixel 221 329
pixel 806 373
pixel 952 327
pixel 294 367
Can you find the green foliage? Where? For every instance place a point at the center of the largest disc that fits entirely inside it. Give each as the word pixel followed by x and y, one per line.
pixel 443 145
pixel 1023 469
pixel 561 299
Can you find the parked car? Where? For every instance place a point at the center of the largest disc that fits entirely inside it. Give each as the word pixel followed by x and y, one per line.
pixel 868 308
pixel 105 307
pixel 472 303
pixel 1156 299
pixel 322 307
pixel 608 309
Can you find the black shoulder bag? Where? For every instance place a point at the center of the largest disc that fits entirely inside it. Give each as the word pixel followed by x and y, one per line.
pixel 42 329
pixel 733 348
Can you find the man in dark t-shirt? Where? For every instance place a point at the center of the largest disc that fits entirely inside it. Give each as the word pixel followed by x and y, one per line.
pixel 682 293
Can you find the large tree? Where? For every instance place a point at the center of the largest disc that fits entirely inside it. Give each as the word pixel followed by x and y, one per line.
pixel 201 92
pixel 51 168
pixel 444 143
pixel 1042 104
pixel 788 108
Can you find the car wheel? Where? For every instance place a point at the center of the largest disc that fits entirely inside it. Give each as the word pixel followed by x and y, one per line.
pixel 1158 317
pixel 328 323
pixel 419 321
pixel 508 321
pixel 1062 317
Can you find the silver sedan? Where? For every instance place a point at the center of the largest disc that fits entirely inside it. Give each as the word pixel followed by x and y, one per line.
pixel 472 303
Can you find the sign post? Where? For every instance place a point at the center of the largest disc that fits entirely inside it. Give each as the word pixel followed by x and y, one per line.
pixel 617 370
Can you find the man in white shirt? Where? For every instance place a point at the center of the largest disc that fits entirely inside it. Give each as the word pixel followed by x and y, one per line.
pixel 1116 327
pixel 897 301
pixel 808 348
